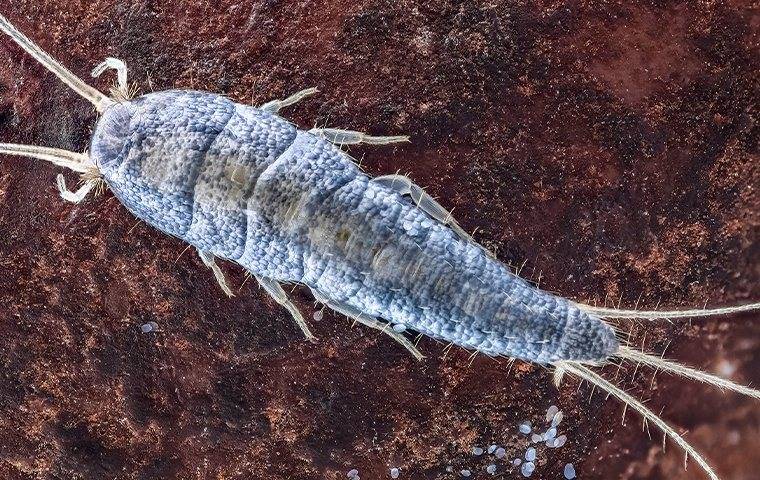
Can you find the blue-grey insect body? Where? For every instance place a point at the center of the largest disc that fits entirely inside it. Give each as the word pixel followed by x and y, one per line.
pixel 245 185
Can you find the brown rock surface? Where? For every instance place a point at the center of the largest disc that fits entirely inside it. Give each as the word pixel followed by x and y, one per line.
pixel 612 147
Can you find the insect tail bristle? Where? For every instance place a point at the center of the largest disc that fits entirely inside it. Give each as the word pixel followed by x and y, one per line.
pixel 585 373
pixel 95 97
pixel 680 370
pixel 655 314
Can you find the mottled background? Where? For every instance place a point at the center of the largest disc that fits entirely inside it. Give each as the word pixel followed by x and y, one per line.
pixel 612 147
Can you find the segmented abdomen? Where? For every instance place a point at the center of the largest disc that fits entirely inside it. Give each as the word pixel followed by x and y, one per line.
pixel 365 245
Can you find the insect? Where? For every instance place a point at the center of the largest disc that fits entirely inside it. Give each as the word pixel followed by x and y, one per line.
pixel 242 184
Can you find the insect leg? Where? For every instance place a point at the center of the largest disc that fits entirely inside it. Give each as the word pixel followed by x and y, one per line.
pixel 274 289
pixel 121 74
pixel 208 260
pixel 404 186
pixel 371 322
pixel 351 137
pixel 275 105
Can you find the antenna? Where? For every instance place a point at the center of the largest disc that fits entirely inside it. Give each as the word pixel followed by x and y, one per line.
pixel 98 99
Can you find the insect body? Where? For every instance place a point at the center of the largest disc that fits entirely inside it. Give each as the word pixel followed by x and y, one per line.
pixel 242 184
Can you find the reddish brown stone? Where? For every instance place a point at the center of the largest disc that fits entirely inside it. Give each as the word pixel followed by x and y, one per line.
pixel 611 147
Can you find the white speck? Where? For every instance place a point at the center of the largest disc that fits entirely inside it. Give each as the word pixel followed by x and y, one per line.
pixel 477 451
pixel 527 469
pixel 352 473
pixel 394 472
pixel 492 448
pixel 536 438
pixel 530 454
pixel 318 315
pixel 500 452
pixel 491 469
pixel 557 418
pixel 569 471
pixel 551 412
pixel 517 461
pixel 465 473
pixel 559 441
pixel 449 468
pixel 146 328
pixel 725 368
pixel 525 428
pixel 399 328
pixel 551 433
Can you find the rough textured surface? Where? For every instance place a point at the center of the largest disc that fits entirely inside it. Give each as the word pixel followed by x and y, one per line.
pixel 611 147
